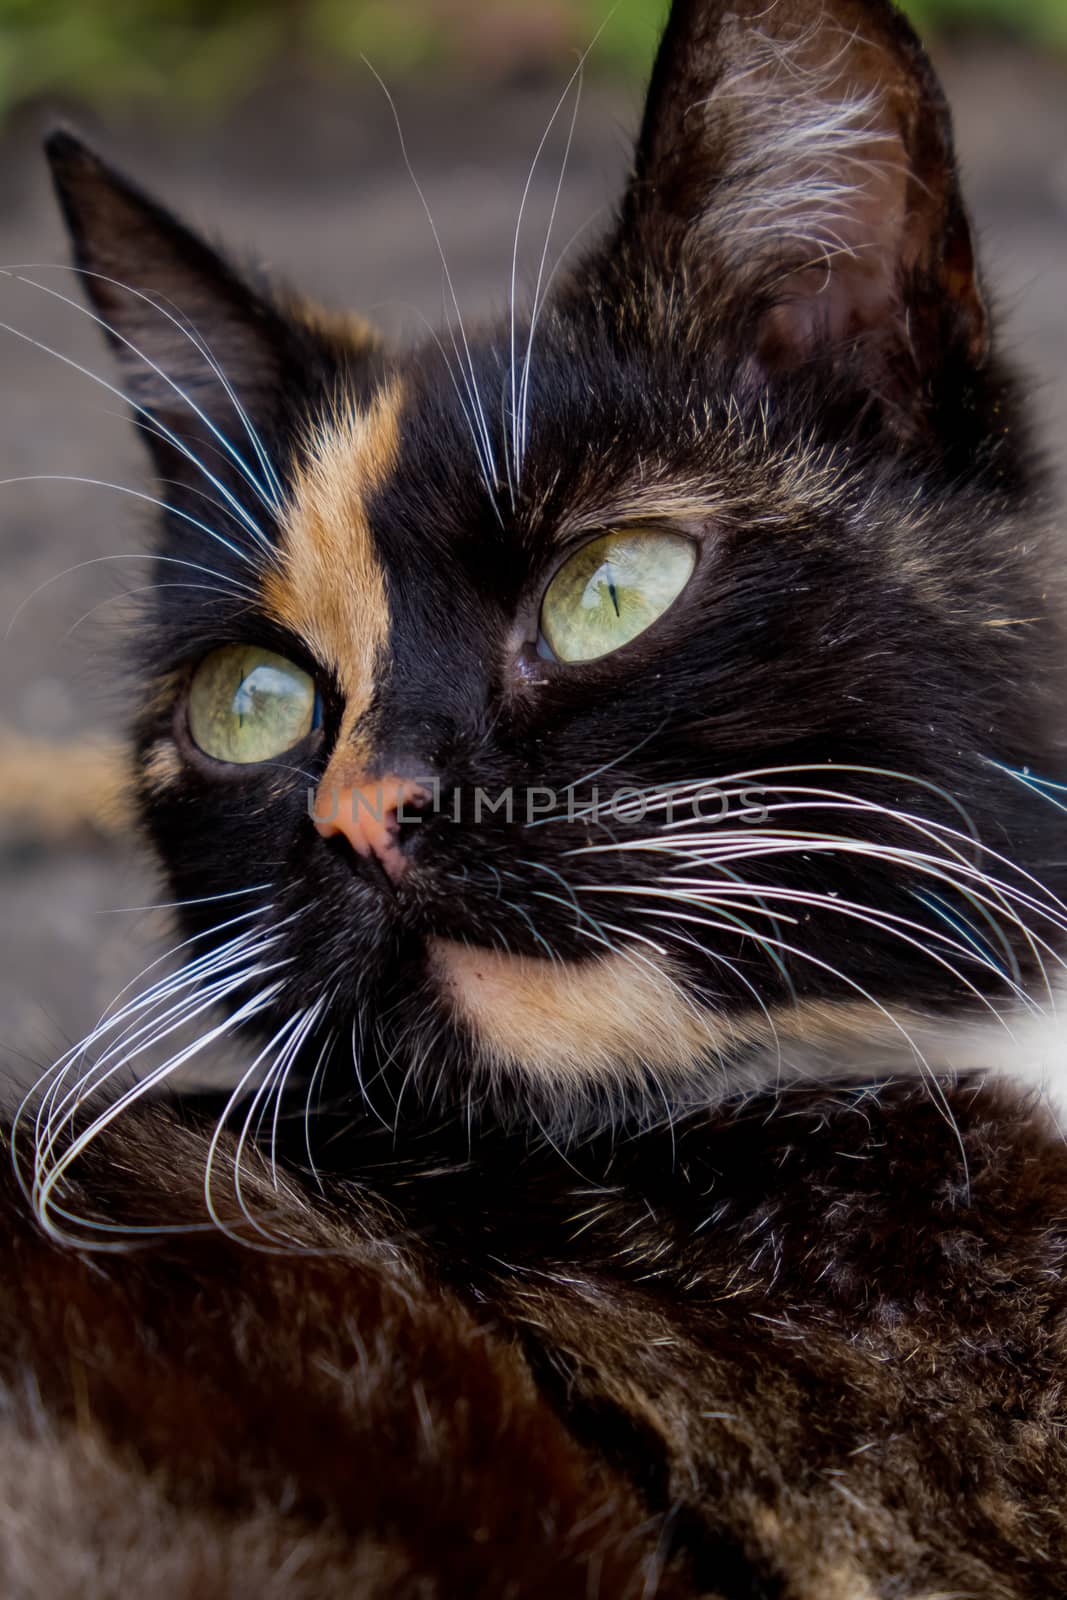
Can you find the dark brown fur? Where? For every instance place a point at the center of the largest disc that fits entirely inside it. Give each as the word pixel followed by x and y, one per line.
pixel 783 1355
pixel 202 1420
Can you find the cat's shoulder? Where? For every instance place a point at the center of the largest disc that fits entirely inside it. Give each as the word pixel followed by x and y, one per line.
pixel 200 1415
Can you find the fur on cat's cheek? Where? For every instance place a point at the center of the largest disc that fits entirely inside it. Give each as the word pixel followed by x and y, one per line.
pixel 330 589
pixel 571 1022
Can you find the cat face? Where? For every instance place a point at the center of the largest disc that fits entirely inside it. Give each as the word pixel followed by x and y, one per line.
pixel 589 705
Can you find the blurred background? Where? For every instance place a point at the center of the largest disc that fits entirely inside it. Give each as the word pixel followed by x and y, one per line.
pixel 260 120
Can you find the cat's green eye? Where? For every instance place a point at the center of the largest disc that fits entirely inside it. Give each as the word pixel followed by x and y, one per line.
pixel 248 704
pixel 613 589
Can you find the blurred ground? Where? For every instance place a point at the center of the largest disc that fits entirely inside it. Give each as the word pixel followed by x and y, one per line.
pixel 312 179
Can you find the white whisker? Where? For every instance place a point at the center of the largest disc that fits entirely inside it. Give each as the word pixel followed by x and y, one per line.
pixel 538 299
pixel 469 378
pixel 45 1186
pixel 271 504
pixel 195 900
pixel 516 446
pixel 135 1042
pixel 286 1044
pixel 80 566
pixel 231 500
pixel 127 1030
pixel 134 494
pixel 923 1064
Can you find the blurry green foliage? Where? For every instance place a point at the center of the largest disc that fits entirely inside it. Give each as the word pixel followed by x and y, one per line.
pixel 206 52
pixel 1043 21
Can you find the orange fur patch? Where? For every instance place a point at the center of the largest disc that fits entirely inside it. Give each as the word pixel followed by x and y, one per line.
pixel 345 328
pixel 603 1021
pixel 162 767
pixel 330 588
pixel 576 1022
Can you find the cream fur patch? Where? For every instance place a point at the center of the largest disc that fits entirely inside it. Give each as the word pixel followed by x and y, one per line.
pixel 329 587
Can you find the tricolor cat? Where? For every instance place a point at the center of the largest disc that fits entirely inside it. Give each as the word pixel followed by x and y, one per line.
pixel 600 760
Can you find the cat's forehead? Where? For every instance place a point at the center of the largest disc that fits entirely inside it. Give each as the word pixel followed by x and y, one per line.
pixel 593 418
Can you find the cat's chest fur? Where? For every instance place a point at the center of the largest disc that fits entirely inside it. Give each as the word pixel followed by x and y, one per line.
pixel 789 1351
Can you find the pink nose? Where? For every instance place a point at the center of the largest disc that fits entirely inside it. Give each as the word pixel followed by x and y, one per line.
pixel 369 815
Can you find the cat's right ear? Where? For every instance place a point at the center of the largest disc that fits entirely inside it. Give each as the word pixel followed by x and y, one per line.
pixel 196 344
pixel 795 182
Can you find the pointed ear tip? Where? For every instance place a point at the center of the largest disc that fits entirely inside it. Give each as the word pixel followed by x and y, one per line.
pixel 63 149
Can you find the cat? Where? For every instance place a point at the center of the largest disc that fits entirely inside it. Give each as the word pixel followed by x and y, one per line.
pixel 600 762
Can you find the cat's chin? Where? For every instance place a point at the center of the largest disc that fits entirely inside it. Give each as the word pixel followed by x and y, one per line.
pixel 577 1023
pixel 615 1021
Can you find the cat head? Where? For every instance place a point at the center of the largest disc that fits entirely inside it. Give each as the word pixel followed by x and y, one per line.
pixel 612 701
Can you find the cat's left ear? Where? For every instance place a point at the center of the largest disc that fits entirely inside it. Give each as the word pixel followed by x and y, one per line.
pixel 178 316
pixel 795 169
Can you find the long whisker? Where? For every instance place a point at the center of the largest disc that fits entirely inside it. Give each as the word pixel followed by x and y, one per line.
pixel 463 405
pixel 114 1018
pixel 935 832
pixel 61 1114
pixel 209 933
pixel 135 494
pixel 80 566
pixel 940 1099
pixel 291 1037
pixel 271 504
pixel 710 788
pixel 469 377
pixel 248 1076
pixel 311 1019
pixel 524 388
pixel 128 594
pixel 46 1185
pixel 231 500
pixel 788 842
pixel 955 873
pixel 167 1006
pixel 141 1037
pixel 194 900
pixel 696 892
pixel 316 1079
pixel 516 454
